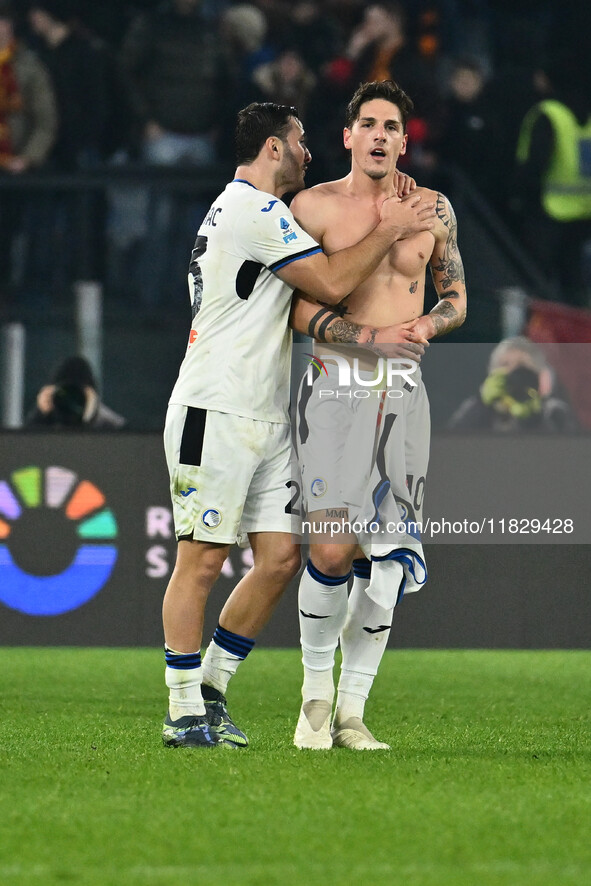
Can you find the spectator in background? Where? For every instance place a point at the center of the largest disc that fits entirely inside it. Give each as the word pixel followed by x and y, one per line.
pixel 379 49
pixel 468 138
pixel 28 126
pixel 244 31
pixel 287 80
pixel 517 395
pixel 27 103
pixel 553 180
pixel 178 77
pixel 518 73
pixel 79 84
pixel 71 400
pixel 314 33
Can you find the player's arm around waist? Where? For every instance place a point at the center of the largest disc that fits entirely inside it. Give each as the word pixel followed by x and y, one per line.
pixel 328 326
pixel 447 271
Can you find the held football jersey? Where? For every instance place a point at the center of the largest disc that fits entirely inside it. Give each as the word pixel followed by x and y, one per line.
pixel 239 352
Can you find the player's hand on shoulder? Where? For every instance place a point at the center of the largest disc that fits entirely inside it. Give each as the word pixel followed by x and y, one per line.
pixel 410 215
pixel 426 194
pixel 404 184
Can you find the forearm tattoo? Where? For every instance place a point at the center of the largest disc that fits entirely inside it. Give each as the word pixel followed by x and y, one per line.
pixel 344 331
pixel 339 309
pixel 321 314
pixel 445 317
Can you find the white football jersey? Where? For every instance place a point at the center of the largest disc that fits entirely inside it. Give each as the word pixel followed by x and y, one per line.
pixel 239 353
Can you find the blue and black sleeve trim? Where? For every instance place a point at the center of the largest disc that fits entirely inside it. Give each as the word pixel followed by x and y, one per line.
pixel 294 257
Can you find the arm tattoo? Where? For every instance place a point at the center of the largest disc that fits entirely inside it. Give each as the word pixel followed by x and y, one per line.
pixel 323 312
pixel 340 309
pixel 344 331
pixel 447 270
pixel 445 317
pixel 449 265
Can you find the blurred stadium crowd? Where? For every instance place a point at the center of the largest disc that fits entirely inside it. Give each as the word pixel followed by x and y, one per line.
pixel 146 84
pixel 116 132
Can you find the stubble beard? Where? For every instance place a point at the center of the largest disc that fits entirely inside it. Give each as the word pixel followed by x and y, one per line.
pixel 376 174
pixel 293 175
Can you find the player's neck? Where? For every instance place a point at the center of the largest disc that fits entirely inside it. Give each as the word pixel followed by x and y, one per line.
pixel 360 185
pixel 259 177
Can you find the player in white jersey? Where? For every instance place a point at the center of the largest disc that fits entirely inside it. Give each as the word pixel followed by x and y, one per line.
pixel 227 438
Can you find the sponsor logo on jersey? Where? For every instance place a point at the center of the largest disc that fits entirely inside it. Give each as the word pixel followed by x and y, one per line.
pixel 211 518
pixel 318 487
pixel 269 206
pixel 287 231
pixel 186 492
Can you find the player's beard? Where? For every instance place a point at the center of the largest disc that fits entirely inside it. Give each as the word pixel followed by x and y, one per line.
pixel 292 173
pixel 377 174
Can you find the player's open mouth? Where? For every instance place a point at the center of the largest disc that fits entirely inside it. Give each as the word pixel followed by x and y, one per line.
pixel 377 152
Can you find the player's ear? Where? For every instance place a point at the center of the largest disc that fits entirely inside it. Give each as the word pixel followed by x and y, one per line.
pixel 273 147
pixel 347 138
pixel 404 143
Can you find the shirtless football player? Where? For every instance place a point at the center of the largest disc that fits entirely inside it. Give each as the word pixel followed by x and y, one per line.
pixel 338 214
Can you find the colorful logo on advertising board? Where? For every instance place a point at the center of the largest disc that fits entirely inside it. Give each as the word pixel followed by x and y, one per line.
pixel 56 540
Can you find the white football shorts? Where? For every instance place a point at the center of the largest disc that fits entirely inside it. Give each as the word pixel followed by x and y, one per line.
pixel 340 435
pixel 229 475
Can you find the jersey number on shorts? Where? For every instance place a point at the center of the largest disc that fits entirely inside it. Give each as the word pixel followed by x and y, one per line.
pixel 290 507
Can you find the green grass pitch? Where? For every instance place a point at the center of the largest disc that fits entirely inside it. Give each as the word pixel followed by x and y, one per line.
pixel 488 780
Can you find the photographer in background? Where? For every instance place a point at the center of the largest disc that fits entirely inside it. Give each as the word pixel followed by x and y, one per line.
pixel 517 395
pixel 72 401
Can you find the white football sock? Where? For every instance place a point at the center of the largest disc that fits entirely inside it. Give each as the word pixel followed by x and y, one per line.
pixel 322 601
pixel 219 666
pixel 183 678
pixel 363 642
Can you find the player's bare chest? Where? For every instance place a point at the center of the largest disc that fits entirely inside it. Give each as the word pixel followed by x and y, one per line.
pixel 407 257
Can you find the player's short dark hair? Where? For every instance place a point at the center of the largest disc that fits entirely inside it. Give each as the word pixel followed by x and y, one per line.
pixel 258 122
pixel 385 89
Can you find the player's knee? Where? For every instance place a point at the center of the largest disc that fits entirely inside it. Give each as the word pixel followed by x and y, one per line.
pixel 289 562
pixel 198 564
pixel 332 560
